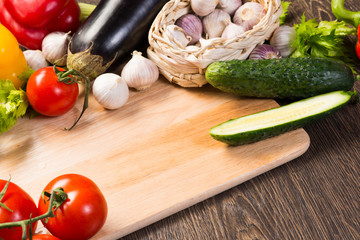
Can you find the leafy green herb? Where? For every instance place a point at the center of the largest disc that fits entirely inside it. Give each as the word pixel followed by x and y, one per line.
pixel 25 75
pixel 323 39
pixel 13 104
pixel 285 7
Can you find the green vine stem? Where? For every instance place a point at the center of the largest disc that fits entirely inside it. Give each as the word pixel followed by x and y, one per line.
pixel 2 193
pixel 57 197
pixel 65 77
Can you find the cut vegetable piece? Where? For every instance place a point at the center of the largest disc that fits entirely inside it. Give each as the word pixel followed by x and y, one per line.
pixel 273 122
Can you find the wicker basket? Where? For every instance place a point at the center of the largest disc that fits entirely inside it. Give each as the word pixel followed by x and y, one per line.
pixel 186 66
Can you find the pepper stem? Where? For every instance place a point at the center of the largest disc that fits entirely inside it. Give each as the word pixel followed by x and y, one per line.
pixel 341 13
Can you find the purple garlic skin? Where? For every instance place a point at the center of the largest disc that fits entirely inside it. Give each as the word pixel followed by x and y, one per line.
pixel 192 26
pixel 264 51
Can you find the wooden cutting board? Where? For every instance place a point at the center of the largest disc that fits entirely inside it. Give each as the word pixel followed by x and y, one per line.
pixel 151 158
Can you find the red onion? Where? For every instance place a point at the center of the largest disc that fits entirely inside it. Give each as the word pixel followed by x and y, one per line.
pixel 264 51
pixel 192 26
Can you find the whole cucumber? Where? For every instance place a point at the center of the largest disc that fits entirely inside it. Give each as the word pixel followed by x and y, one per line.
pixel 285 78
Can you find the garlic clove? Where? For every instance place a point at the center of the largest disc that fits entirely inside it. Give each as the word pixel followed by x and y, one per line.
pixel 203 7
pixel 192 26
pixel 215 23
pixel 249 14
pixel 110 91
pixel 233 30
pixel 282 39
pixel 140 72
pixel 55 46
pixel 230 6
pixel 177 35
pixel 35 59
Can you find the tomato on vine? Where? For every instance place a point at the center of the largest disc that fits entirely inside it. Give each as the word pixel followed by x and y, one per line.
pixel 16 205
pixel 83 213
pixel 53 91
pixel 47 95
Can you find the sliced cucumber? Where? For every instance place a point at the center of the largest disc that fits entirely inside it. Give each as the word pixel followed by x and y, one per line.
pixel 273 122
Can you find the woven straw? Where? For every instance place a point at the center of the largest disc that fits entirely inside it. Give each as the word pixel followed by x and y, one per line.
pixel 186 66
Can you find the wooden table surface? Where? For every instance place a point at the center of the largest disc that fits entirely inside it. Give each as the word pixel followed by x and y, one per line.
pixel 316 196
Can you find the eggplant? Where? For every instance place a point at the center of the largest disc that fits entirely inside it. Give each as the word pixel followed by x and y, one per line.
pixel 110 34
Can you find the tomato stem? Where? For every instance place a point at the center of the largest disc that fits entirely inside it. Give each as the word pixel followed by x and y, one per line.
pixel 64 77
pixel 57 197
pixel 2 193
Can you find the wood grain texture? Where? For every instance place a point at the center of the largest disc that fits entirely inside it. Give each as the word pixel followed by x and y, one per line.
pixel 315 196
pixel 151 158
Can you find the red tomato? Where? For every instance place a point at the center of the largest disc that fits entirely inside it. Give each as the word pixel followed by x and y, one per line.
pixel 44 237
pixel 82 215
pixel 23 206
pixel 358 49
pixel 47 95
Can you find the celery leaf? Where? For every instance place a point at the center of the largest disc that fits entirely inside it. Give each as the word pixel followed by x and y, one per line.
pixel 13 104
pixel 323 39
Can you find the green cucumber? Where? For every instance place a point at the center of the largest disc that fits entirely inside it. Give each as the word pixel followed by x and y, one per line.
pixel 285 78
pixel 275 121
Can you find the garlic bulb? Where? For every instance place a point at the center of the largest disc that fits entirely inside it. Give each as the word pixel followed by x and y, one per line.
pixel 177 35
pixel 110 91
pixel 203 7
pixel 35 59
pixel 54 47
pixel 215 23
pixel 192 26
pixel 140 72
pixel 282 40
pixel 233 30
pixel 230 6
pixel 264 51
pixel 249 14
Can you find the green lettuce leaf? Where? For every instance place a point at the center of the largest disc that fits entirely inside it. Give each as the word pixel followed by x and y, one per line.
pixel 13 104
pixel 324 39
pixel 25 75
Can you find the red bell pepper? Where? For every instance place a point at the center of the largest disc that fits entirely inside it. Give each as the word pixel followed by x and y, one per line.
pixel 31 20
pixel 358 49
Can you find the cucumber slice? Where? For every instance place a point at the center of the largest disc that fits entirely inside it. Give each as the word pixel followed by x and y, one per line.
pixel 273 122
